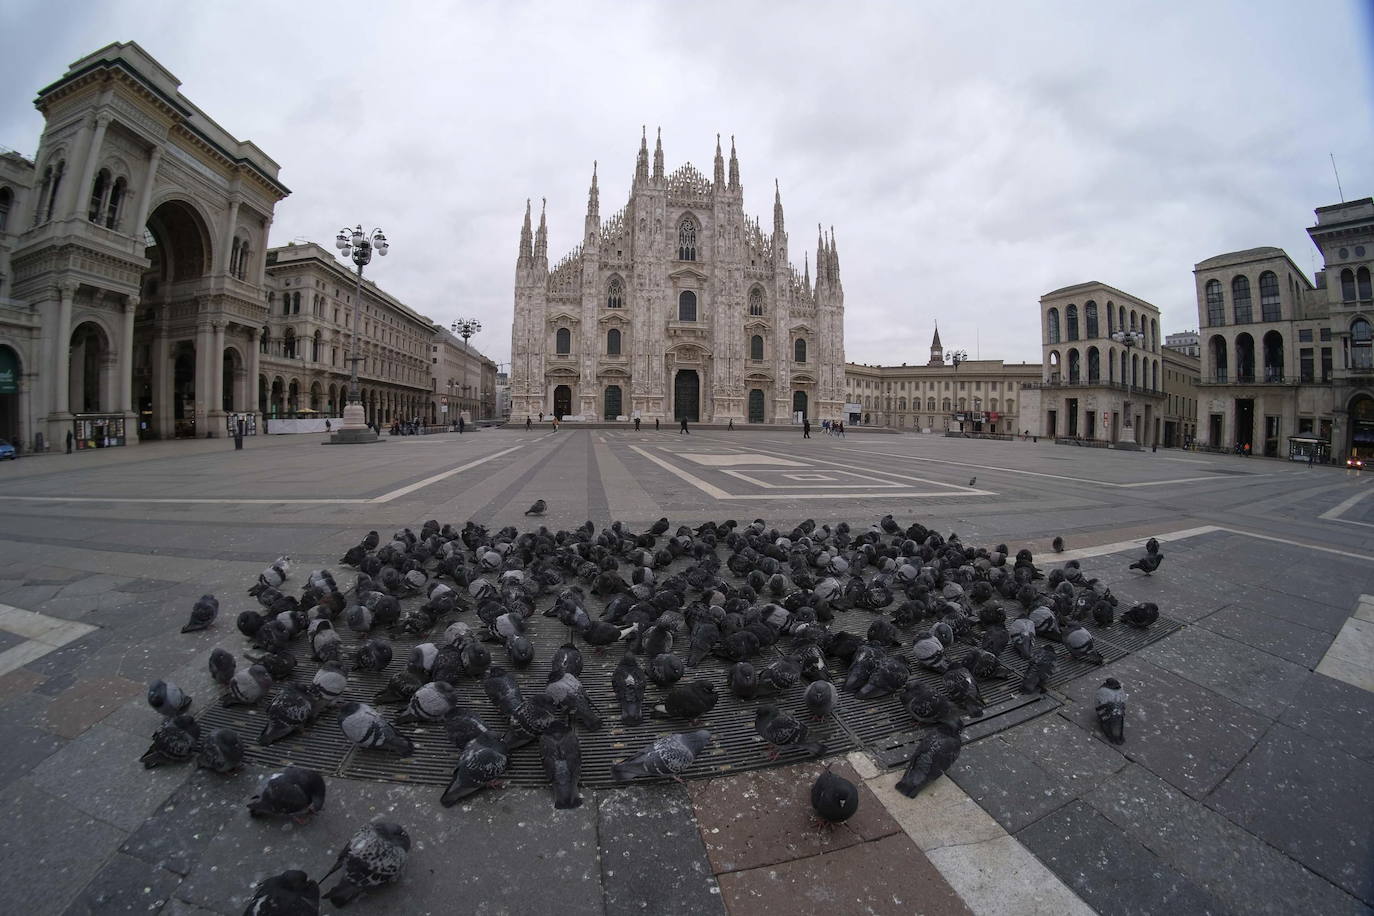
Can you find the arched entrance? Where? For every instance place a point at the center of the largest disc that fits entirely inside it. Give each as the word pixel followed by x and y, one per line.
pixel 90 388
pixel 799 403
pixel 611 408
pixel 277 405
pixel 562 401
pixel 687 395
pixel 1362 426
pixel 234 397
pixel 11 371
pixel 756 414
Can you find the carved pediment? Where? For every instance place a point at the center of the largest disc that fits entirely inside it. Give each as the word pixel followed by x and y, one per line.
pixel 759 375
pixel 561 372
pixel 613 372
pixel 563 316
pixel 688 273
pixel 612 317
pixel 804 378
pixel 688 353
pixel 802 328
pixel 757 324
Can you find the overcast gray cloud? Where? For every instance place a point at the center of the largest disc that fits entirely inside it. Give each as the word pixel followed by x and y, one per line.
pixel 971 157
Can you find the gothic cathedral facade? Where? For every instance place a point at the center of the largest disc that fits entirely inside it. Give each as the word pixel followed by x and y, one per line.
pixel 677 307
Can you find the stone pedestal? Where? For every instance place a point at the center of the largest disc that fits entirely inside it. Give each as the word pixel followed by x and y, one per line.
pixel 354 430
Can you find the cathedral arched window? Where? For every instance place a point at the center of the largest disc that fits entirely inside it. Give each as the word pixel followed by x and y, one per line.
pixel 687 239
pixel 687 306
pixel 615 294
pixel 562 342
pixel 613 342
pixel 102 181
pixel 265 344
pixel 756 347
pixel 756 302
pixel 799 351
pixel 930 404
pixel 1348 285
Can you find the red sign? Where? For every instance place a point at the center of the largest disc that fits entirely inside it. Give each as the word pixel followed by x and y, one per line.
pixel 993 415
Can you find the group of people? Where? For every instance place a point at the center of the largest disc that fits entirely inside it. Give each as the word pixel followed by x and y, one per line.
pixel 829 427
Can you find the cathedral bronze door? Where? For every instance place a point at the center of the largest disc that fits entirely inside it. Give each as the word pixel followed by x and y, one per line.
pixel 755 405
pixel 611 407
pixel 562 401
pixel 687 395
pixel 799 402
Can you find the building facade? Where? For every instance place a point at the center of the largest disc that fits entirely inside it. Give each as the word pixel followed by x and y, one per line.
pixel 678 306
pixel 131 249
pixel 1284 356
pixel 979 395
pixel 462 381
pixel 1186 342
pixel 1103 371
pixel 1180 376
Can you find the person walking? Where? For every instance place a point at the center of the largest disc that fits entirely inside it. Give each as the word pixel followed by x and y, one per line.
pixel 528 423
pixel 656 428
pixel 684 428
pixel 806 428
pixel 636 424
pixel 731 427
pixel 460 424
pixel 841 429
pixel 70 438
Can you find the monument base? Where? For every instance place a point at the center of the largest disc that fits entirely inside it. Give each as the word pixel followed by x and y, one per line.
pixel 354 430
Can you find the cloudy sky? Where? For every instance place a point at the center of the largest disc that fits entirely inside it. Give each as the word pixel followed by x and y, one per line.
pixel 970 156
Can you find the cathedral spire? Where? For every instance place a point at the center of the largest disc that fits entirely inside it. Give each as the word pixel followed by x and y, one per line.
pixel 806 271
pixel 834 255
pixel 658 156
pixel 719 177
pixel 937 352
pixel 541 238
pixel 593 223
pixel 777 211
pixel 642 163
pixel 526 251
pixel 734 166
pixel 821 266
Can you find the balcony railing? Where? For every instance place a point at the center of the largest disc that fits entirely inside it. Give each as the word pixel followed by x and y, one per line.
pixel 1270 377
pixel 1097 383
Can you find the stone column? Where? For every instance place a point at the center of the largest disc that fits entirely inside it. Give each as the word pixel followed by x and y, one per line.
pixel 72 185
pixel 61 357
pixel 205 342
pixel 164 385
pixel 145 194
pixel 102 122
pixel 230 228
pixel 125 369
pixel 250 387
pixel 216 412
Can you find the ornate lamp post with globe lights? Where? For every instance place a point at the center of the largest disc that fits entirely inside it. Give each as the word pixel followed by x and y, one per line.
pixel 1130 340
pixel 465 328
pixel 359 245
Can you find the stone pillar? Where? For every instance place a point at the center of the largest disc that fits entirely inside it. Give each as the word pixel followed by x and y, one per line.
pixel 61 358
pixel 125 372
pixel 228 243
pixel 76 379
pixel 145 194
pixel 102 122
pixel 71 178
pixel 250 387
pixel 205 342
pixel 216 412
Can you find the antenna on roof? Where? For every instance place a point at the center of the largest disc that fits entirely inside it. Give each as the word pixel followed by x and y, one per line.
pixel 1338 177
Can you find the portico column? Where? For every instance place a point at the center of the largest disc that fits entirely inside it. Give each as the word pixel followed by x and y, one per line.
pixel 125 368
pixel 251 386
pixel 62 344
pixel 230 229
pixel 164 385
pixel 216 411
pixel 102 122
pixel 145 194
pixel 63 206
pixel 204 343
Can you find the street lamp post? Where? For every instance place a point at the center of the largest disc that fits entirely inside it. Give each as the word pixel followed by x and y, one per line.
pixel 465 328
pixel 1130 340
pixel 359 245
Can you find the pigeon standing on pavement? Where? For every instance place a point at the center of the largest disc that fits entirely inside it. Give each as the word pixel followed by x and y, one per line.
pixel 1081 646
pixel 365 727
pixel 1148 563
pixel 972 481
pixel 167 698
pixel 562 758
pixel 173 742
pixel 687 701
pixel 374 857
pixel 1057 544
pixel 1039 671
pixel 538 508
pixel 834 798
pixel 295 792
pixel 1111 710
pixel 934 755
pixel 1142 616
pixel 781 731
pixel 291 893
pixel 203 614
pixel 221 751
pixel 670 755
pixel 429 704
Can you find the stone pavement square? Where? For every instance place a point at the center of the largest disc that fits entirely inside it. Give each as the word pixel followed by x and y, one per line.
pixel 653 825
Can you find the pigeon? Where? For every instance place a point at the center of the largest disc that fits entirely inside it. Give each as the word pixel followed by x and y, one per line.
pixel 929 652
pixel 430 703
pixel 1111 710
pixel 401 686
pixel 502 689
pixel 1148 563
pixel 291 893
pixel 687 701
pixel 1039 671
pixel 820 698
pixel 173 742
pixel 567 658
pixel 833 798
pixel 1142 615
pixel 295 792
pixel 330 682
pixel 222 665
pixel 290 710
pixel 272 577
pixel 934 755
pixel 374 857
pixel 480 765
pixel 744 680
pixel 1152 546
pixel 538 508
pixel 462 725
pixel 568 693
pixel 247 686
pixel 203 614
pixel 365 727
pixel 221 751
pixel 628 681
pixel 972 480
pixel 1057 544
pixel 562 758
pixel 926 706
pixel 1080 645
pixel 889 676
pixel 373 655
pixel 670 755
pixel 782 730
pixel 1022 633
pixel 962 689
pixel 666 669
pixel 531 719
pixel 279 663
pixel 167 698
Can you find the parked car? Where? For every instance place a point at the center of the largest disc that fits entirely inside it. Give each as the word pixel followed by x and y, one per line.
pixel 7 450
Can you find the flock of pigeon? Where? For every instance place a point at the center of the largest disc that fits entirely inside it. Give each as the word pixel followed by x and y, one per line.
pixel 673 601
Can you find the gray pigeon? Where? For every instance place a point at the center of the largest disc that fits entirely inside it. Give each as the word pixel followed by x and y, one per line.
pixel 290 710
pixel 203 614
pixel 429 704
pixel 365 727
pixel 247 686
pixel 221 751
pixel 173 742
pixel 401 686
pixel 562 758
pixel 833 798
pixel 1148 563
pixel 531 719
pixel 480 765
pixel 374 857
pixel 538 508
pixel 1039 671
pixel 1111 710
pixel 291 893
pixel 934 755
pixel 222 665
pixel 1081 646
pixel 295 792
pixel 1022 633
pixel 462 725
pixel 671 755
pixel 962 689
pixel 331 682
pixel 929 652
pixel 628 681
pixel 167 698
pixel 820 698
pixel 783 731
pixel 568 693
pixel 373 655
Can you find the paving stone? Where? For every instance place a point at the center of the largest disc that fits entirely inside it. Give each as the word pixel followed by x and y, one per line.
pixel 87 701
pixel 1000 877
pixel 1065 750
pixel 941 815
pixel 1309 800
pixel 1008 784
pixel 18 682
pixel 641 828
pixel 764 816
pixel 1335 712
pixel 1348 672
pixel 1254 679
pixel 1324 617
pixel 143 586
pixel 178 907
pixel 1236 868
pixel 77 607
pixel 455 852
pixel 125 885
pixel 1114 874
pixel 100 774
pixel 29 596
pixel 1189 735
pixel 8 640
pixel 92 585
pixel 25 745
pixel 1284 638
pixel 182 828
pixel 73 656
pixel 886 876
pixel 58 843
